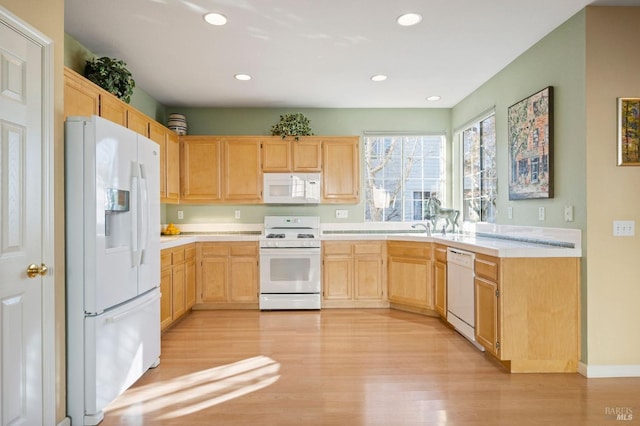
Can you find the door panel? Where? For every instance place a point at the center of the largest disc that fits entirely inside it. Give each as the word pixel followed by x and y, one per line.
pixel 21 359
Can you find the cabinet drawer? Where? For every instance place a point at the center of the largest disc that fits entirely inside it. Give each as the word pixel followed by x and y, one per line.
pixel 165 258
pixel 244 250
pixel 177 256
pixel 408 249
pixel 367 248
pixel 440 253
pixel 337 248
pixel 214 250
pixel 487 267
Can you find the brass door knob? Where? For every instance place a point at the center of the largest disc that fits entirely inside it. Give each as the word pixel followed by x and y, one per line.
pixel 34 270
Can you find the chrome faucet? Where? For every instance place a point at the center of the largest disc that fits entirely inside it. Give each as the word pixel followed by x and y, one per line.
pixel 426 227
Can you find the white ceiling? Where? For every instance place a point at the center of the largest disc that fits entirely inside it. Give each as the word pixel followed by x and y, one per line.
pixel 315 53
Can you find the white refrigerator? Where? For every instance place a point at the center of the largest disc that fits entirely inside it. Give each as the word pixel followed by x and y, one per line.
pixel 112 200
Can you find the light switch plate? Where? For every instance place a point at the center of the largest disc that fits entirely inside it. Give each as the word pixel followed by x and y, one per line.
pixel 180 214
pixel 342 214
pixel 510 212
pixel 624 228
pixel 237 214
pixel 540 213
pixel 568 213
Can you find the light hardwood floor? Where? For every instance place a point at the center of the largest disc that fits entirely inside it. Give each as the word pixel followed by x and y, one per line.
pixel 351 367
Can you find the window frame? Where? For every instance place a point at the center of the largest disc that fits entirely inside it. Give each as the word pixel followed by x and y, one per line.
pixel 482 172
pixel 407 198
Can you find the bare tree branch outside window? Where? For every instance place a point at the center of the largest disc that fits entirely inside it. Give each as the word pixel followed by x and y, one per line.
pixel 400 170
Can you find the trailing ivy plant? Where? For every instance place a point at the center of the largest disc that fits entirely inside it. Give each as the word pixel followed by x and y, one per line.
pixel 295 125
pixel 112 75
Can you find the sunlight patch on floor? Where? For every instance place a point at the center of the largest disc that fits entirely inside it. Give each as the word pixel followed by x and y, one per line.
pixel 200 390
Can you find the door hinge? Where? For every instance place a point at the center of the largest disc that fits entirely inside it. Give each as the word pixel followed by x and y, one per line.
pixel 497 293
pixel 497 345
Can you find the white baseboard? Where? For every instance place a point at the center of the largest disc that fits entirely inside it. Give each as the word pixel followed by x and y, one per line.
pixel 601 371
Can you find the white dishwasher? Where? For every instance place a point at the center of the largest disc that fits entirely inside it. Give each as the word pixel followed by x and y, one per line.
pixel 461 292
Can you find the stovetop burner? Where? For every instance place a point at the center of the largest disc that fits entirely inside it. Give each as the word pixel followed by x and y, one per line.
pixel 306 236
pixel 275 236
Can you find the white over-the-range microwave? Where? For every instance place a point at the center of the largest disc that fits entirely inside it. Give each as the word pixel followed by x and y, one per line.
pixel 292 188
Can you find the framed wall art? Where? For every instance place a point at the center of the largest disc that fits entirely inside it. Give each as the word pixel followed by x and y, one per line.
pixel 628 131
pixel 530 132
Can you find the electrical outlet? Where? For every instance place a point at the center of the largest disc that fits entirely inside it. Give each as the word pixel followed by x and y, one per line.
pixel 510 212
pixel 180 214
pixel 624 228
pixel 541 213
pixel 342 214
pixel 568 213
pixel 237 214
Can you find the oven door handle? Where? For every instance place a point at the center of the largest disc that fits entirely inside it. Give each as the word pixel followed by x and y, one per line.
pixel 279 251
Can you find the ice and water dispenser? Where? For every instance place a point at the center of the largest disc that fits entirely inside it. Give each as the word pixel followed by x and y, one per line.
pixel 117 223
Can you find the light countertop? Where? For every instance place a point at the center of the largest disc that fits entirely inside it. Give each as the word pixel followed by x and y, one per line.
pixel 500 246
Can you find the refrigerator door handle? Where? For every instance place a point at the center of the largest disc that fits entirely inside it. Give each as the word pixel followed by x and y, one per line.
pixel 121 316
pixel 144 211
pixel 135 213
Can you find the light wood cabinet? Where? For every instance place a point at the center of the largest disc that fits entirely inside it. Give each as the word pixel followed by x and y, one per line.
pixel 440 279
pixel 410 276
pixel 200 170
pixel 290 155
pixel 228 275
pixel 84 98
pixel 166 303
pixel 486 310
pixel 81 97
pixel 113 109
pixel 527 312
pixel 353 274
pixel 177 283
pixel 242 170
pixel 220 169
pixel 138 122
pixel 169 162
pixel 340 170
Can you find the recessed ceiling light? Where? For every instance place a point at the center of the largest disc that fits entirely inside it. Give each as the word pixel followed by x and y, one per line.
pixel 433 98
pixel 409 19
pixel 215 19
pixel 378 77
pixel 242 77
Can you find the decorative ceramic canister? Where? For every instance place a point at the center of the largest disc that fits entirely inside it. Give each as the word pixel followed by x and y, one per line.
pixel 177 123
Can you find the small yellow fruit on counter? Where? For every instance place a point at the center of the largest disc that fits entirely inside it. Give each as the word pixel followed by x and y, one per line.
pixel 171 229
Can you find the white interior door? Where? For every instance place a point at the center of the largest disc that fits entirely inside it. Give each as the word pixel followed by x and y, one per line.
pixel 22 136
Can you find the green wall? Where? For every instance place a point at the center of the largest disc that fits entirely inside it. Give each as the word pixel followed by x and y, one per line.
pixel 329 122
pixel 75 57
pixel 558 60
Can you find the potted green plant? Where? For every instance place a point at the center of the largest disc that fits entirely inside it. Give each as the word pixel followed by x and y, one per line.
pixel 295 125
pixel 112 75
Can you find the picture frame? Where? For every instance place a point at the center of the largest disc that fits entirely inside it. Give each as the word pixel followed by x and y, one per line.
pixel 530 133
pixel 628 131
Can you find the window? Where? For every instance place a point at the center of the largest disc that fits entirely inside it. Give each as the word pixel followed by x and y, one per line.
pixel 402 172
pixel 479 182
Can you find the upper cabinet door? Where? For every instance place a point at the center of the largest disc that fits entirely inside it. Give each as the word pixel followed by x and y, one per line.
pixel 276 155
pixel 242 170
pixel 172 167
pixel 307 154
pixel 340 170
pixel 169 162
pixel 138 122
pixel 200 169
pixel 113 109
pixel 79 98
